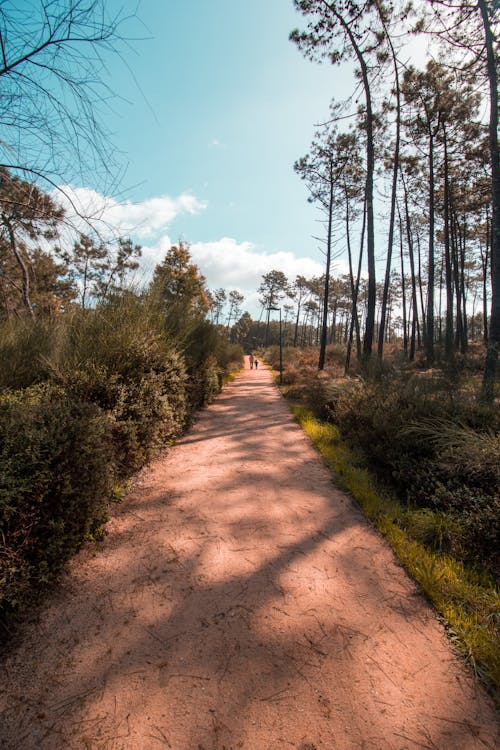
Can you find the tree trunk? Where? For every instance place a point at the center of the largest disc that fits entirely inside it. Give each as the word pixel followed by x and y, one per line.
pixel 463 293
pixel 484 266
pixel 326 292
pixel 392 218
pixel 429 337
pixel 421 292
pixel 25 288
pixel 449 349
pixel 354 315
pixel 490 368
pixel 456 277
pixel 409 239
pixel 370 169
pixel 403 285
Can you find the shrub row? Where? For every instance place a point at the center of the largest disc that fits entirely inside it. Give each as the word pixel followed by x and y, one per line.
pixel 56 475
pixel 442 453
pixel 85 403
pixel 428 439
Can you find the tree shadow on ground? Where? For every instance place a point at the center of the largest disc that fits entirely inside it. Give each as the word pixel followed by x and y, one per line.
pixel 245 604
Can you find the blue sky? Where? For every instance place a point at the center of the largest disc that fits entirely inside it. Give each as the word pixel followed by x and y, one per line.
pixel 234 105
pixel 223 106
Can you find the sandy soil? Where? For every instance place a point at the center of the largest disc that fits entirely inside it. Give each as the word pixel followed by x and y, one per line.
pixel 239 601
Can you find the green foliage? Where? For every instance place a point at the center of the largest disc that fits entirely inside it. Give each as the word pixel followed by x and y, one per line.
pixel 440 451
pixel 178 285
pixel 229 356
pixel 84 401
pixel 24 348
pixel 57 473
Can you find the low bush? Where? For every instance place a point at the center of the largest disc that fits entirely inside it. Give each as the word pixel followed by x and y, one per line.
pixel 145 396
pixel 229 357
pixel 429 440
pixel 203 383
pixel 56 477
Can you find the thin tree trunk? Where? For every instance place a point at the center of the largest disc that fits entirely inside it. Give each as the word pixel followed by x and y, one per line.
pixel 392 217
pixel 296 331
pixel 354 314
pixel 456 278
pixel 324 324
pixel 354 288
pixel 463 291
pixel 409 239
pixel 370 170
pixel 429 338
pixel 490 368
pixel 440 311
pixel 449 349
pixel 403 285
pixel 25 288
pixel 421 293
pixel 484 266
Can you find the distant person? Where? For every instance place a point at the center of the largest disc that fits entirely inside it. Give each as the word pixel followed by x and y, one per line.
pixel 256 363
pixel 250 359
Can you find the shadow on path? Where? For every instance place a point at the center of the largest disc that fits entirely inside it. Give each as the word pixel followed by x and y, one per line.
pixel 240 601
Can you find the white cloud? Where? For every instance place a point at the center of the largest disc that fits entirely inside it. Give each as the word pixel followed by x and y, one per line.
pixel 225 263
pixel 143 220
pixel 240 265
pixel 237 265
pixel 215 143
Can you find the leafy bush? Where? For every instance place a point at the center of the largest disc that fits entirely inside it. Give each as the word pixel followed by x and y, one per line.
pixel 442 453
pixel 104 389
pixel 146 398
pixel 24 348
pixel 203 384
pixel 56 469
pixel 229 356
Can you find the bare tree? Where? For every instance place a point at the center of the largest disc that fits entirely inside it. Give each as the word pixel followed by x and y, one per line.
pixel 52 72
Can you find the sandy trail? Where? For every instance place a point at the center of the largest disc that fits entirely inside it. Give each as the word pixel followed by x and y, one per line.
pixel 239 601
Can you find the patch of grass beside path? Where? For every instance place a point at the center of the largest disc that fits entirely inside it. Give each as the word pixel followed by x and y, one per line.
pixel 468 601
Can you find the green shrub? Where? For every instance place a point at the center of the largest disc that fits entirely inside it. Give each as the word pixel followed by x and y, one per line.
pixel 25 347
pixel 203 384
pixel 229 356
pixel 112 387
pixel 146 400
pixel 440 450
pixel 57 472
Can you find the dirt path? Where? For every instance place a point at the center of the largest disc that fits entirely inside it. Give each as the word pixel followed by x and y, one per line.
pixel 239 601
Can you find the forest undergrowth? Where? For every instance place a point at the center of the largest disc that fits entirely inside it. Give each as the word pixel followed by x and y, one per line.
pixel 422 457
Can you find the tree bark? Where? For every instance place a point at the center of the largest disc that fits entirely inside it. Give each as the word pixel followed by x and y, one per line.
pixel 25 288
pixel 490 368
pixel 449 348
pixel 324 323
pixel 429 337
pixel 409 239
pixel 392 218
